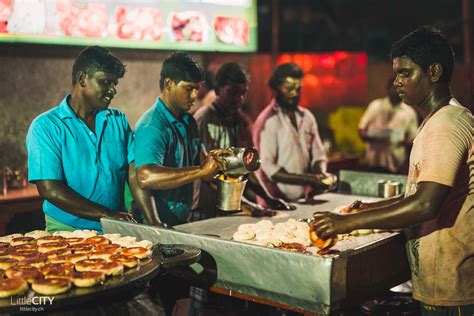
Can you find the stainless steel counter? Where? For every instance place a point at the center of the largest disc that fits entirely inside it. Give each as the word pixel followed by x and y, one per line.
pixel 365 266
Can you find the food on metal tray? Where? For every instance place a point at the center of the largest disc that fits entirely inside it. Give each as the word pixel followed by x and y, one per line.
pixel 295 247
pixel 27 273
pixel 137 252
pixel 51 286
pixel 127 261
pixel 6 263
pixel 50 246
pixel 319 242
pixel 53 263
pixel 22 240
pixel 87 278
pixel 264 233
pixel 48 239
pixel 37 234
pixel 12 286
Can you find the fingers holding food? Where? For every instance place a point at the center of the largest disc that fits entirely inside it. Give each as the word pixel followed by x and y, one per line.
pixel 320 242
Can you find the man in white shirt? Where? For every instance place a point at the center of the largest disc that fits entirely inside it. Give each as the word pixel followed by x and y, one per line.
pixel 287 137
pixel 388 126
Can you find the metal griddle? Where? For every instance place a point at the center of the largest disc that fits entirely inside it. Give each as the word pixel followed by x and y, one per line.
pixel 117 287
pixel 366 265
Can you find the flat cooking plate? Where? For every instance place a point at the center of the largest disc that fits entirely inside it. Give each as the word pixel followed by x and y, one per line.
pixel 163 256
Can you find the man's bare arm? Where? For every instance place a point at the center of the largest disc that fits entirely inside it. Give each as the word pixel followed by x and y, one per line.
pixel 72 202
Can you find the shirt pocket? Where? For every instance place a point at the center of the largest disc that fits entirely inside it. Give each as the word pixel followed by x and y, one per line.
pixel 116 156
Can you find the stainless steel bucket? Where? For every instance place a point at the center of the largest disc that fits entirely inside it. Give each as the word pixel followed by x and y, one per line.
pixel 229 192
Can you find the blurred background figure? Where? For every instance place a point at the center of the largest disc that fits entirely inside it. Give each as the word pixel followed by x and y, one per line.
pixel 206 94
pixel 388 127
pixel 287 138
pixel 223 124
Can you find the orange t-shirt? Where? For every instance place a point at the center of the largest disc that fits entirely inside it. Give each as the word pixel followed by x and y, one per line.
pixel 441 250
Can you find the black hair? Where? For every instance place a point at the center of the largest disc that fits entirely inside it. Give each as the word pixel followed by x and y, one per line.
pixel 281 72
pixel 426 46
pixel 230 73
pixel 209 80
pixel 181 66
pixel 95 58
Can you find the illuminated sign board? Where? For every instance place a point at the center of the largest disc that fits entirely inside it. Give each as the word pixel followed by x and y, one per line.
pixel 196 25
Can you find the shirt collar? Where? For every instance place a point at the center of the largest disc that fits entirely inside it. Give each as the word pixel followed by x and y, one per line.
pixel 160 105
pixel 65 110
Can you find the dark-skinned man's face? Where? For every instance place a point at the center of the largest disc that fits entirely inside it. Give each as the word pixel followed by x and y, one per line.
pixel 288 93
pixel 99 89
pixel 413 85
pixel 183 94
pixel 231 96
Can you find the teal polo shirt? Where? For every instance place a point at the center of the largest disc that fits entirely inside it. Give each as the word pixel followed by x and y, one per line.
pixel 62 147
pixel 164 140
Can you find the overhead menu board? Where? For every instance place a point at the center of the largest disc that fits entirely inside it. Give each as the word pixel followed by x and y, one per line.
pixel 198 25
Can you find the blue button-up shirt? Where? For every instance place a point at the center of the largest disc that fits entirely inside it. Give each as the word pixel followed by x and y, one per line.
pixel 62 147
pixel 164 140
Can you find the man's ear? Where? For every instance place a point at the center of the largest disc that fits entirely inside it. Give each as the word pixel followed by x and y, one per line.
pixel 81 78
pixel 435 71
pixel 168 84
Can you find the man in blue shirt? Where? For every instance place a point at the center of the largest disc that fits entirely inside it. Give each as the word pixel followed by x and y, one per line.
pixel 168 150
pixel 80 153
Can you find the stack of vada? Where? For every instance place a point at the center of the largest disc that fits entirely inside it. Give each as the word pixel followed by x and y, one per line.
pixel 53 264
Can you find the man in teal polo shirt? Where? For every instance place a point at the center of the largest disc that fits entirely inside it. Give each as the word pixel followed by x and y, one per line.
pixel 169 155
pixel 80 153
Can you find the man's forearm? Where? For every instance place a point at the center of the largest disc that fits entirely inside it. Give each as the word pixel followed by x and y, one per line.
pixel 255 188
pixel 382 203
pixel 70 201
pixel 293 178
pixel 153 177
pixel 143 198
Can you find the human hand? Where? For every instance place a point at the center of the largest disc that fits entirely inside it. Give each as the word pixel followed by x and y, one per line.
pixel 325 180
pixel 354 207
pixel 327 225
pixel 279 204
pixel 214 162
pixel 122 216
pixel 255 210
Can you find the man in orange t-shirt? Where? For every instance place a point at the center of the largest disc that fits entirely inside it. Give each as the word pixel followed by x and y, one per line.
pixel 436 209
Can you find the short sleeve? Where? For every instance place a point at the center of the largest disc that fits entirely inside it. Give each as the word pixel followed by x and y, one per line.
pixel 447 142
pixel 130 141
pixel 150 145
pixel 44 151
